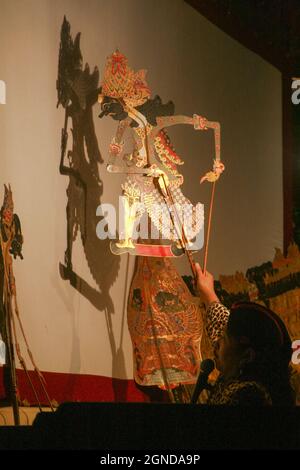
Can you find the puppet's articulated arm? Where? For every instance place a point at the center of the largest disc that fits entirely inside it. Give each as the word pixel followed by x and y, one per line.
pixel 167 121
pixel 202 124
pixel 116 145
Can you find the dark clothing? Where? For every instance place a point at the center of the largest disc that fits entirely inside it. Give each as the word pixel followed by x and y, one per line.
pixel 238 391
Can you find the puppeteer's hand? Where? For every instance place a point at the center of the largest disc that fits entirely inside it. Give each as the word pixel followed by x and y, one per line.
pixel 205 285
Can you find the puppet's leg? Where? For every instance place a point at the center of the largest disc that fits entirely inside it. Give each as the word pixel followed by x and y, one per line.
pixel 72 223
pixel 131 213
pixel 128 224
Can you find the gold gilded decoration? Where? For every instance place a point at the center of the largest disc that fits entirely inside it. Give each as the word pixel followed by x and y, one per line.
pixel 287 306
pixel 164 324
pixel 234 283
pixel 215 174
pixel 143 132
pixel 121 82
pixel 132 211
pixel 287 302
pixel 284 266
pixel 131 191
pixel 152 148
pixel 166 153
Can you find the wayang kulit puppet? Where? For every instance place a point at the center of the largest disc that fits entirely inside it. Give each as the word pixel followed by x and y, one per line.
pixel 11 241
pixel 163 320
pixel 153 182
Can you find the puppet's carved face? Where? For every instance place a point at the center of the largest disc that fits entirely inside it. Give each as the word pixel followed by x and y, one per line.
pixel 113 108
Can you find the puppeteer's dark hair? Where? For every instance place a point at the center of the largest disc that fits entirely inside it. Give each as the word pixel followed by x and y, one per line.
pixel 267 335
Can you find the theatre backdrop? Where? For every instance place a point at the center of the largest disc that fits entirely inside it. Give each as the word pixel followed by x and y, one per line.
pixel 108 319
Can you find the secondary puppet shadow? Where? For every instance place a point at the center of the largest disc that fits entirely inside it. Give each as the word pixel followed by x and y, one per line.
pixel 77 91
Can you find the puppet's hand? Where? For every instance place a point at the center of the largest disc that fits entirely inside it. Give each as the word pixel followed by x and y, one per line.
pixel 154 171
pixel 115 148
pixel 218 168
pixel 214 175
pixel 161 178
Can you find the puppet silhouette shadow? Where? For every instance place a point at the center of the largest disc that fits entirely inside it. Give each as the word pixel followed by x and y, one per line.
pixel 77 93
pixel 84 193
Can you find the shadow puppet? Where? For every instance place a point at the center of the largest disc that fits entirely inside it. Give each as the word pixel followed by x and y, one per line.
pixel 163 319
pixel 11 242
pixel 77 90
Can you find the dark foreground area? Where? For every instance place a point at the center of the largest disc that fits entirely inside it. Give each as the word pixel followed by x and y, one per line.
pixel 152 427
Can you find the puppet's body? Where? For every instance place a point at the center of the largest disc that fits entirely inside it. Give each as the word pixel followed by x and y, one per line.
pixel 164 321
pixel 157 188
pixel 153 182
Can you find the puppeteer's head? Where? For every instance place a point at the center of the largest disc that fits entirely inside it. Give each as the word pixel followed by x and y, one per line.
pixel 253 334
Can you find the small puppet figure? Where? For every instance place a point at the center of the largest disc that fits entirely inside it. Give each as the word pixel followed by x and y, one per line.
pixel 11 242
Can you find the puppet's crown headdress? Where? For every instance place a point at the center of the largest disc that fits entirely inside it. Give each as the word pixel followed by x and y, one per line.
pixel 8 203
pixel 121 82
